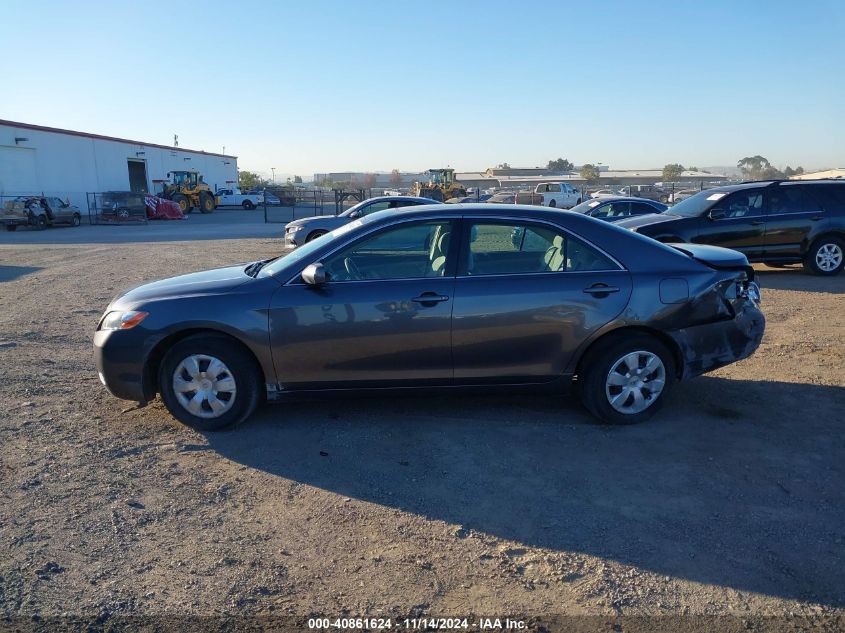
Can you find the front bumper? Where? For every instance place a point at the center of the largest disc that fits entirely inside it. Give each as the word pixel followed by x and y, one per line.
pixel 120 357
pixel 713 345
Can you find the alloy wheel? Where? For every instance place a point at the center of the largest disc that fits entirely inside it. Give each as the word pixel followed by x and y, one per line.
pixel 829 257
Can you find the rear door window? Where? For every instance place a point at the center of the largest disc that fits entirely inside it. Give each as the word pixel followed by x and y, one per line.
pixel 513 248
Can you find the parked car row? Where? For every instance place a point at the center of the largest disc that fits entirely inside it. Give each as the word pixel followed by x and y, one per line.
pixel 777 222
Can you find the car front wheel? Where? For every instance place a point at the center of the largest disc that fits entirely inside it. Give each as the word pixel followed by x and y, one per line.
pixel 315 234
pixel 625 379
pixel 209 382
pixel 826 256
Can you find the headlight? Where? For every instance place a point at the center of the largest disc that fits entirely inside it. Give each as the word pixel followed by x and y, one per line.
pixel 750 290
pixel 294 229
pixel 120 320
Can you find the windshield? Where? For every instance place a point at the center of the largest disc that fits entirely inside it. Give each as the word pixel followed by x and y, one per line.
pixel 352 210
pixel 696 205
pixel 586 207
pixel 304 251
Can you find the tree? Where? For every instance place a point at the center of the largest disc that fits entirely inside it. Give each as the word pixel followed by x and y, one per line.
pixel 590 172
pixel 755 167
pixel 250 180
pixel 395 178
pixel 672 172
pixel 561 164
pixel 789 172
pixel 369 181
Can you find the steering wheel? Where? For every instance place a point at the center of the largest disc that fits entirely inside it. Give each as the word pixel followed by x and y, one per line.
pixel 352 268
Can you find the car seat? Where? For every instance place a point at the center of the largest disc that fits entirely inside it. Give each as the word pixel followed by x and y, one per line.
pixel 437 252
pixel 554 255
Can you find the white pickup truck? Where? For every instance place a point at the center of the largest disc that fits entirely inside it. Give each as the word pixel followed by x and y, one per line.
pixel 559 194
pixel 234 198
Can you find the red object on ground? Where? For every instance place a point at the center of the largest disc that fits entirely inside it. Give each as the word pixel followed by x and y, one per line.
pixel 161 209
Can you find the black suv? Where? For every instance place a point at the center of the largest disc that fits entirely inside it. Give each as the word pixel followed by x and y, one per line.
pixel 776 222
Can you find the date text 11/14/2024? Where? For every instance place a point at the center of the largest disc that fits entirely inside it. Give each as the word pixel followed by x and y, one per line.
pixel 418 624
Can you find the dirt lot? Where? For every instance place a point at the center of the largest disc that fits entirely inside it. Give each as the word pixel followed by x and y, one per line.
pixel 732 501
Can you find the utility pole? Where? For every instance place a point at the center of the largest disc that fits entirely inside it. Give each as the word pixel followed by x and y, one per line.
pixel 273 169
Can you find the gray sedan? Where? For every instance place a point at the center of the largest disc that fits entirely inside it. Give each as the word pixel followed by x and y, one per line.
pixel 301 231
pixel 580 305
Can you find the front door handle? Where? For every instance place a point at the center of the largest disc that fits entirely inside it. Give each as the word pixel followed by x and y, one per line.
pixel 430 298
pixel 756 222
pixel 600 289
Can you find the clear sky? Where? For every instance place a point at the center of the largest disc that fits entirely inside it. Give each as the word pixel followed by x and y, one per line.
pixel 366 85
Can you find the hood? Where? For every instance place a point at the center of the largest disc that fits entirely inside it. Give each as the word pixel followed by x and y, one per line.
pixel 648 219
pixel 321 220
pixel 207 282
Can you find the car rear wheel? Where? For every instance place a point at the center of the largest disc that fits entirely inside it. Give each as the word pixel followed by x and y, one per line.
pixel 314 235
pixel 624 380
pixel 553 203
pixel 76 220
pixel 41 222
pixel 826 256
pixel 209 382
pixel 247 204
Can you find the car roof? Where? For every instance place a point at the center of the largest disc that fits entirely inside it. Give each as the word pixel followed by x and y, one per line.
pixel 400 199
pixel 604 199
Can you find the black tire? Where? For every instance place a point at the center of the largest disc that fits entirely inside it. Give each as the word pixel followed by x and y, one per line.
pixel 313 235
pixel 242 367
pixel 600 361
pixel 207 202
pixel 41 222
pixel 76 220
pixel 11 227
pixel 184 202
pixel 553 203
pixel 248 205
pixel 826 242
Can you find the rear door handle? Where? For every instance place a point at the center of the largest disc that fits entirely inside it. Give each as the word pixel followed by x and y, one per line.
pixel 756 223
pixel 430 298
pixel 600 289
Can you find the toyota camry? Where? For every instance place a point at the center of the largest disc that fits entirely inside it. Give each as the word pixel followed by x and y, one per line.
pixel 437 297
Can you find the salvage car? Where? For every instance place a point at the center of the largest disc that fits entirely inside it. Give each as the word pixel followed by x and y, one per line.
pixel 583 306
pixel 304 230
pixel 775 222
pixel 122 206
pixel 39 212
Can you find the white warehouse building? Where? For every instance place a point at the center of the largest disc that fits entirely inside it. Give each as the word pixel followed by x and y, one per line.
pixel 68 164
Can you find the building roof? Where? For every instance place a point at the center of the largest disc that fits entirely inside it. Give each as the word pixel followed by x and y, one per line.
pixel 55 130
pixel 827 173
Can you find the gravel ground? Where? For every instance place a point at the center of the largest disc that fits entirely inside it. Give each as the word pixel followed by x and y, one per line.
pixel 731 501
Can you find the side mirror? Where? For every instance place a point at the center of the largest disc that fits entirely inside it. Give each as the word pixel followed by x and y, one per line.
pixel 314 274
pixel 355 214
pixel 716 214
